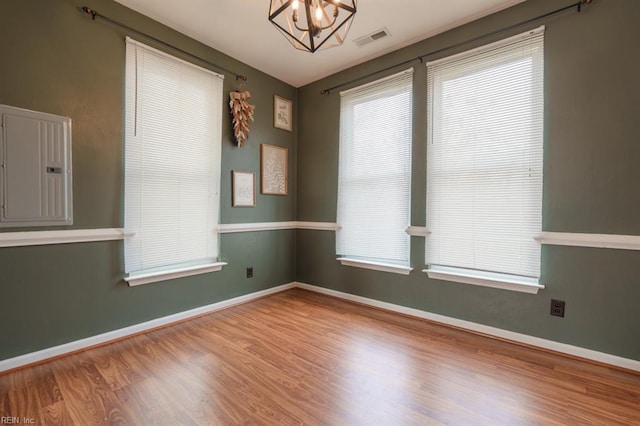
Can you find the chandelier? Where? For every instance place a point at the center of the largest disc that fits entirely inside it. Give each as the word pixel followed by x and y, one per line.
pixel 313 24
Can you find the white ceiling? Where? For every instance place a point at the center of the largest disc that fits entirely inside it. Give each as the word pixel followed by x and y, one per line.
pixel 240 28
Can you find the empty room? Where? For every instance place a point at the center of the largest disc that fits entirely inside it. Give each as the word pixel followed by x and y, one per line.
pixel 332 212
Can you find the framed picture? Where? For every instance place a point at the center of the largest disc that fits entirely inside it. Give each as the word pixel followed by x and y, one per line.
pixel 282 113
pixel 274 166
pixel 243 193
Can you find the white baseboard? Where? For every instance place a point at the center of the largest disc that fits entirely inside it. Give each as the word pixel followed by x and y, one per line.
pixel 588 354
pixel 78 345
pixel 100 339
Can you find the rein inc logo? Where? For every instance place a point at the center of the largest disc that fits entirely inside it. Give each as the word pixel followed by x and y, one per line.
pixel 17 420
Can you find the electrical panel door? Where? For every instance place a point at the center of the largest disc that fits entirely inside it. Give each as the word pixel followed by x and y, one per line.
pixel 35 157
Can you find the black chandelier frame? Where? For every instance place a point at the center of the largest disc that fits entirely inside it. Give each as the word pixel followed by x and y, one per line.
pixel 313 30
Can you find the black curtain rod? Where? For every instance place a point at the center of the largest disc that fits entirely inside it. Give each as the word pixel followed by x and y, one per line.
pixel 94 14
pixel 577 6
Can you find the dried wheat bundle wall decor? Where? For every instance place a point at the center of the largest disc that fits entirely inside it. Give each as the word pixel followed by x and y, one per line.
pixel 242 112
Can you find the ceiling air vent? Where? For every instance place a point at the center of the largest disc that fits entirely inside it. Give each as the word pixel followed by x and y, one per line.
pixel 376 35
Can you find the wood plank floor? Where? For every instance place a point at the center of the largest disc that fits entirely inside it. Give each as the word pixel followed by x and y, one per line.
pixel 302 358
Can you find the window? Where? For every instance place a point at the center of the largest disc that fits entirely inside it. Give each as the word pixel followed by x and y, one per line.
pixel 374 183
pixel 484 164
pixel 173 114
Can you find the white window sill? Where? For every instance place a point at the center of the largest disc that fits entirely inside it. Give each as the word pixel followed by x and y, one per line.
pixel 487 279
pixel 170 274
pixel 375 266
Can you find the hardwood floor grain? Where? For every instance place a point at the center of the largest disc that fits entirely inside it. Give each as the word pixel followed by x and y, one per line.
pixel 302 358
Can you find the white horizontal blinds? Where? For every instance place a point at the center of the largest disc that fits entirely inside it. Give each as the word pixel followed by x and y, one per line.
pixel 172 161
pixel 484 157
pixel 374 183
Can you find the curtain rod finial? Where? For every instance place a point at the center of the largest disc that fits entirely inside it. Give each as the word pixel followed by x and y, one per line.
pixel 583 3
pixel 89 11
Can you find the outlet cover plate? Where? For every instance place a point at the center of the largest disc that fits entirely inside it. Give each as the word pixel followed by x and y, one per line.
pixel 557 308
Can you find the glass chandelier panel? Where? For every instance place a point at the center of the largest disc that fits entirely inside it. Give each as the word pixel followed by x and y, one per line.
pixel 313 24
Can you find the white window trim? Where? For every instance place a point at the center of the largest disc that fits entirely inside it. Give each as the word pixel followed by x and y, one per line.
pixel 485 279
pixel 375 266
pixel 170 274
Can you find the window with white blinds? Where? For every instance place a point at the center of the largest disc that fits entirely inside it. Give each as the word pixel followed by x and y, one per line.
pixel 374 183
pixel 173 116
pixel 484 161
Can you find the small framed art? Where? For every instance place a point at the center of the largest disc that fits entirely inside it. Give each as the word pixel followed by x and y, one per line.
pixel 274 166
pixel 282 113
pixel 243 193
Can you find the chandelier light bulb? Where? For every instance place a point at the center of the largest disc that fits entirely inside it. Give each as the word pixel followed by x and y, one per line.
pixel 295 5
pixel 319 13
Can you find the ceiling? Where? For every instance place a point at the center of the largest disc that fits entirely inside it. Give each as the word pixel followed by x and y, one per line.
pixel 240 28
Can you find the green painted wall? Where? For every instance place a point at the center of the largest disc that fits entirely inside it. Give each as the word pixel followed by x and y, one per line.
pixel 592 171
pixel 56 60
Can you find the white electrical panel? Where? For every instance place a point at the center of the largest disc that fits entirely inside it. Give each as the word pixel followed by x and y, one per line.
pixel 35 161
